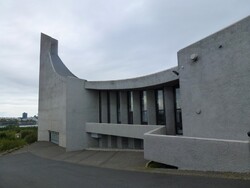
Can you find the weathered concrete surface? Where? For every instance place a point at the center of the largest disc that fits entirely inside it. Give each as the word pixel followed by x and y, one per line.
pixel 42 170
pixel 114 158
pixel 214 93
pixel 28 171
pixel 82 107
pixel 217 84
pixel 64 105
pixel 52 93
pixel 123 130
pixel 197 153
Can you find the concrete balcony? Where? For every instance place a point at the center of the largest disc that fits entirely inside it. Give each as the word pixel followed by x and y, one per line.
pixel 204 154
pixel 122 130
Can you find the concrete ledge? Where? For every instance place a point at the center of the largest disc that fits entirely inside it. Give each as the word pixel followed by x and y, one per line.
pixel 124 130
pixel 202 154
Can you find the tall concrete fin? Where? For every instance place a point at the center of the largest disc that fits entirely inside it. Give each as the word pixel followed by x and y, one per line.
pixel 49 46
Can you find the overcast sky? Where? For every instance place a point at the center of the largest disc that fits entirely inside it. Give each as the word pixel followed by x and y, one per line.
pixel 100 39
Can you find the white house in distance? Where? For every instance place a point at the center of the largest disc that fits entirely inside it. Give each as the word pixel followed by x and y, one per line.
pixel 194 116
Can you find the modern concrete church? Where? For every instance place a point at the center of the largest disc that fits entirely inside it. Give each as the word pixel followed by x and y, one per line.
pixel 194 116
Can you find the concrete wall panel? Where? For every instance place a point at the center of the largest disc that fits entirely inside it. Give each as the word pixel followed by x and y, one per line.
pixel 215 89
pixel 52 94
pixel 169 110
pixel 137 108
pixel 151 106
pixel 189 153
pixel 124 107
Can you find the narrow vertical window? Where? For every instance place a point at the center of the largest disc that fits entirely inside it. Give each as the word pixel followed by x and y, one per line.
pixel 143 101
pixel 108 106
pixel 118 103
pixel 100 106
pixel 160 110
pixel 178 118
pixel 130 107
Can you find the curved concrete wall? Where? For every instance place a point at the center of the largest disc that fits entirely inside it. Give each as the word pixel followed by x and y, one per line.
pixel 52 94
pixel 64 105
pixel 165 77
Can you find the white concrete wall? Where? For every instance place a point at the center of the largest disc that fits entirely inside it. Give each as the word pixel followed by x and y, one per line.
pixel 64 103
pixel 215 104
pixel 82 106
pixel 52 94
pixel 217 85
pixel 189 153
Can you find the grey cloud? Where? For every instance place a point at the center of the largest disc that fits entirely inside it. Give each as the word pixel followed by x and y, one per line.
pixel 100 40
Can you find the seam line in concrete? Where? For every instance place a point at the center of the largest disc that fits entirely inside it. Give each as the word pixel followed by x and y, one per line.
pixel 87 157
pixel 111 157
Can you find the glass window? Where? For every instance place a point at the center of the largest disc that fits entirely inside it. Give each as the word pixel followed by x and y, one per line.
pixel 108 106
pixel 144 115
pixel 54 137
pixel 160 111
pixel 130 107
pixel 178 117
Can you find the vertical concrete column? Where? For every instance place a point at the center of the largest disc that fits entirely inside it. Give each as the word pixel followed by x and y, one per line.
pixel 100 142
pixel 104 141
pixel 104 106
pixel 109 141
pixel 137 108
pixel 169 110
pixel 92 142
pixel 113 107
pixel 119 142
pixel 114 141
pixel 151 107
pixel 131 143
pixel 124 107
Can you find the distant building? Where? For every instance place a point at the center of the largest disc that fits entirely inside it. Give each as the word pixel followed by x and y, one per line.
pixel 193 116
pixel 25 115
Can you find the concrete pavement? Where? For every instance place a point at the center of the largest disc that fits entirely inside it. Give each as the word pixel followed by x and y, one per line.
pixel 26 170
pixel 117 159
pixel 132 160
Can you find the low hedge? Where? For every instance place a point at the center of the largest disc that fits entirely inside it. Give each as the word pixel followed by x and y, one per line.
pixel 9 138
pixel 10 144
pixel 30 138
pixel 25 133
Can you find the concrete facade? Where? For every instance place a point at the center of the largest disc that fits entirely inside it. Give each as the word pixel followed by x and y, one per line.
pixel 201 106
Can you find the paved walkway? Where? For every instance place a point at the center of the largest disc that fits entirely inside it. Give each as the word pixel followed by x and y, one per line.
pixel 116 159
pixel 26 170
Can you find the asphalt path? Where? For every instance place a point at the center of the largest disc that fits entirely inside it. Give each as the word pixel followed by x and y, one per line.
pixel 26 170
